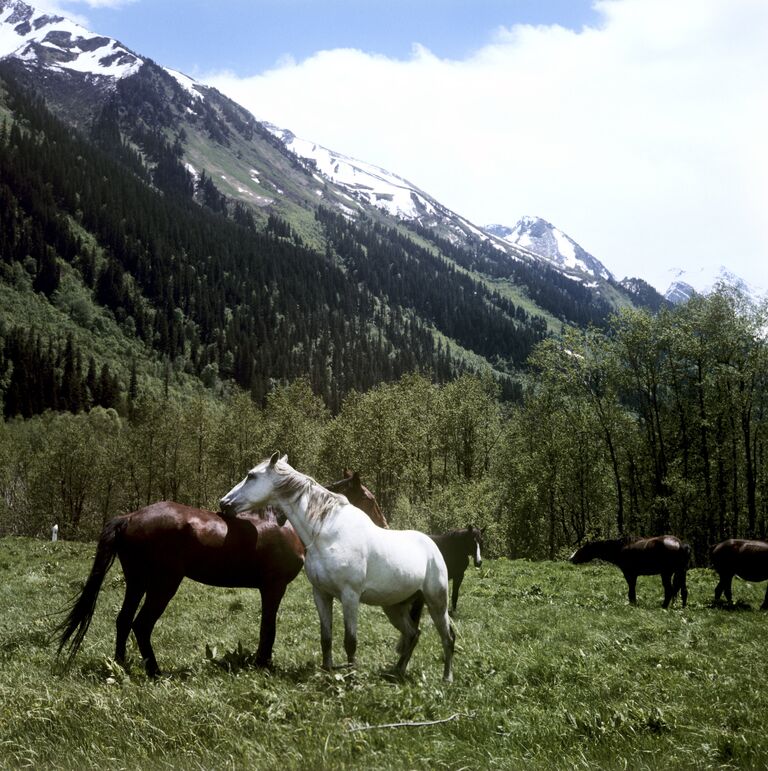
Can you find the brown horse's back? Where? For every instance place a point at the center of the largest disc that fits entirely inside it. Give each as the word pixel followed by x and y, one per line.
pixel 245 551
pixel 744 558
pixel 650 556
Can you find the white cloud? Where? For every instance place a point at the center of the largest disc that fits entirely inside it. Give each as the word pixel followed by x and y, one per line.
pixel 66 7
pixel 643 137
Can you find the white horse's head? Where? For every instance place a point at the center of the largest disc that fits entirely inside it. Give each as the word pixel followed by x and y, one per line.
pixel 256 490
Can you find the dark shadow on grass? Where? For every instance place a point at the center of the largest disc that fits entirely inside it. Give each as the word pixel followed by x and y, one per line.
pixel 738 606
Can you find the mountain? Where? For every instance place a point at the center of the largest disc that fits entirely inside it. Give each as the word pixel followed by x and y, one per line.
pixel 685 284
pixel 59 45
pixel 216 247
pixel 547 241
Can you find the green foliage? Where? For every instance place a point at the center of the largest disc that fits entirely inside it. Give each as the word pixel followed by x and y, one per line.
pixel 553 670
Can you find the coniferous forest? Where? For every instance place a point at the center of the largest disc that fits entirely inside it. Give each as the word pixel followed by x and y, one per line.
pixel 157 339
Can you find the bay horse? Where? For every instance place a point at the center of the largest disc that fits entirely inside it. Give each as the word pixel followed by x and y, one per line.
pixel 359 495
pixel 457 547
pixel 664 554
pixel 161 544
pixel 350 559
pixel 742 558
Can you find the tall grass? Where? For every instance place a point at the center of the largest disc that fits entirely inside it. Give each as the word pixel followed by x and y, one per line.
pixel 553 670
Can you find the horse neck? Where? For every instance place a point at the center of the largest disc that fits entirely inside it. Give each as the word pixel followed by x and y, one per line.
pixel 296 508
pixel 610 551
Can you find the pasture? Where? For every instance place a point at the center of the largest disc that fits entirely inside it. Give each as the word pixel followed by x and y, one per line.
pixel 553 669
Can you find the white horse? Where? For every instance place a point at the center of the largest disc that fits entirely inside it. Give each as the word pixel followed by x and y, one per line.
pixel 349 558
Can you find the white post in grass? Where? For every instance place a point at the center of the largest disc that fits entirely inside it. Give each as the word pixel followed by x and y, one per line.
pixel 55 533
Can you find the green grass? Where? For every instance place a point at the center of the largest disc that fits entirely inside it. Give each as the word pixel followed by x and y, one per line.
pixel 553 670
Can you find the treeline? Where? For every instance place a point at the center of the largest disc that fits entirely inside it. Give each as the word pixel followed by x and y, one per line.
pixel 41 373
pixel 657 425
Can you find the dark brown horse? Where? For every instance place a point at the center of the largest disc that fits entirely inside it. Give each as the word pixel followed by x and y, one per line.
pixel 745 559
pixel 457 546
pixel 664 554
pixel 358 495
pixel 158 546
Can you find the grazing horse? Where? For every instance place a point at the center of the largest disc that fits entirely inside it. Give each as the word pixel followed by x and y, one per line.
pixel 457 546
pixel 161 544
pixel 350 559
pixel 745 559
pixel 663 554
pixel 359 495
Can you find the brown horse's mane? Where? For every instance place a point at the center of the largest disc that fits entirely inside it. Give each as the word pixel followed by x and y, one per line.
pixel 293 484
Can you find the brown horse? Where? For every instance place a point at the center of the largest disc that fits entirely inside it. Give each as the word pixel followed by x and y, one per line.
pixel 457 546
pixel 745 559
pixel 358 495
pixel 664 554
pixel 161 544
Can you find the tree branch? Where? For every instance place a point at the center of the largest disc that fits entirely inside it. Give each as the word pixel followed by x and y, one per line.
pixel 416 724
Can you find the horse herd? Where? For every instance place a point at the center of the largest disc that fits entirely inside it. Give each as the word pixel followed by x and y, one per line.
pixel 340 536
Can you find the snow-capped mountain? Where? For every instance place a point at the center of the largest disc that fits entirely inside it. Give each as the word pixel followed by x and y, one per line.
pixel 541 237
pixel 369 185
pixel 59 44
pixel 686 284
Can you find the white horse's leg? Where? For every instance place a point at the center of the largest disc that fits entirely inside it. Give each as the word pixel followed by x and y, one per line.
pixel 350 603
pixel 436 596
pixel 443 625
pixel 400 617
pixel 324 605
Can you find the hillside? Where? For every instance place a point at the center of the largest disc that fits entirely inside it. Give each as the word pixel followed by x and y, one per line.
pixel 140 201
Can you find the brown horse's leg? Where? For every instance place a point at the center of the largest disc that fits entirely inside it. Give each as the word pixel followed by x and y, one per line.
pixel 680 584
pixel 133 594
pixel 154 605
pixel 455 591
pixel 271 597
pixel 632 585
pixel 724 585
pixel 666 579
pixel 402 618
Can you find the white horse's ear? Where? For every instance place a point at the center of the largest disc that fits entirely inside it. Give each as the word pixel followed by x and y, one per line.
pixel 284 459
pixel 273 459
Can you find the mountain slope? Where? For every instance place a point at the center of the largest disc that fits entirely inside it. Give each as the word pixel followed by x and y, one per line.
pixel 234 252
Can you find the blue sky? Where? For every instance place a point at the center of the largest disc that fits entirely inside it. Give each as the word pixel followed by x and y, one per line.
pixel 248 36
pixel 636 126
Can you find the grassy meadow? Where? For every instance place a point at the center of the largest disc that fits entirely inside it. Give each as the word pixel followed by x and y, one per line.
pixel 553 670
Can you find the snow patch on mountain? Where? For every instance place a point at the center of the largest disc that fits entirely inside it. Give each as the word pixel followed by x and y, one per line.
pixel 188 84
pixel 59 44
pixel 367 184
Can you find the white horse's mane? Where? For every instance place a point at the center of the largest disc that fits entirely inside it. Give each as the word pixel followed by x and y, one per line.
pixel 292 483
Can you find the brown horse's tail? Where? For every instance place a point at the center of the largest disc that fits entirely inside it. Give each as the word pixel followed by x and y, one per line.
pixel 688 552
pixel 73 628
